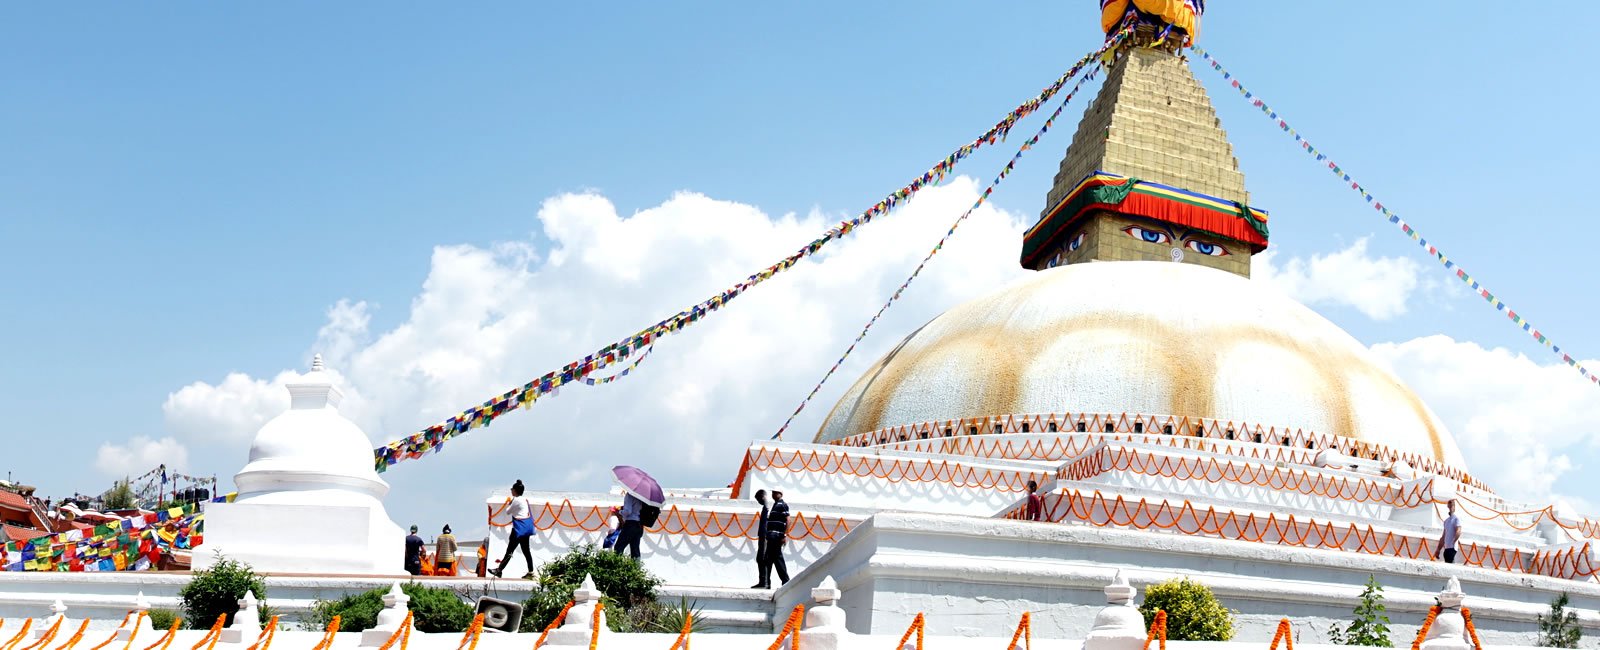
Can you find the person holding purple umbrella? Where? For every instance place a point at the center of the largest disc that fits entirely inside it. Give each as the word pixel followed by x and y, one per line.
pixel 641 505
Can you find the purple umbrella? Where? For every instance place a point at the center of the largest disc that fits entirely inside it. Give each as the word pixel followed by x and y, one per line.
pixel 636 482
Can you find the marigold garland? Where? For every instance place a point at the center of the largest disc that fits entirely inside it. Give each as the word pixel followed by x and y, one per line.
pixel 212 635
pixel 682 642
pixel 27 624
pixel 166 640
pixel 133 631
pixel 1427 624
pixel 1024 631
pixel 594 625
pixel 327 636
pixel 403 635
pixel 49 635
pixel 265 638
pixel 1158 631
pixel 471 635
pixel 1472 630
pixel 1284 633
pixel 791 629
pixel 916 626
pixel 553 625
pixel 76 637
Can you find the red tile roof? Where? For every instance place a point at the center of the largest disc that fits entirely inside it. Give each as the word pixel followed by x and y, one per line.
pixel 14 500
pixel 16 534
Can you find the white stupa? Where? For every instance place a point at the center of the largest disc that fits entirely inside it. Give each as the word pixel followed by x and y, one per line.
pixel 309 500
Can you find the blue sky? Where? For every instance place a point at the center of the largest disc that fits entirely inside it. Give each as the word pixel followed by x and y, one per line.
pixel 186 190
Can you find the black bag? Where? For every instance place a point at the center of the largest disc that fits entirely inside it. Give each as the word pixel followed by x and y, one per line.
pixel 648 514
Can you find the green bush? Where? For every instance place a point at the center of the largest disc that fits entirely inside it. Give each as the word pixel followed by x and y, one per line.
pixel 216 591
pixel 161 619
pixel 432 610
pixel 1369 624
pixel 630 590
pixel 1560 629
pixel 1193 613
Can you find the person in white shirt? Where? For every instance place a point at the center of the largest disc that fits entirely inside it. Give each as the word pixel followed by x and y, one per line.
pixel 1452 534
pixel 521 513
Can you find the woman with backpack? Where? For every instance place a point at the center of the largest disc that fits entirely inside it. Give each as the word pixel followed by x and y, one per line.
pixel 521 512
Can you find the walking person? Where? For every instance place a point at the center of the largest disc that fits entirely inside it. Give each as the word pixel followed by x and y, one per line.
pixel 521 513
pixel 632 529
pixel 1450 536
pixel 1035 510
pixel 776 533
pixel 444 550
pixel 761 542
pixel 413 553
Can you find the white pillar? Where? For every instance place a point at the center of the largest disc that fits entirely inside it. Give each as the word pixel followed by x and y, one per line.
pixel 1449 629
pixel 246 623
pixel 395 607
pixel 1119 626
pixel 824 624
pixel 577 628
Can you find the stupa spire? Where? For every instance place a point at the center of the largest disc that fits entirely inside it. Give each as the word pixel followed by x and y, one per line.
pixel 1150 174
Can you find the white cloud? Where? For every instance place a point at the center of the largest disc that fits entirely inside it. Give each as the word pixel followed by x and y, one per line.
pixel 1520 423
pixel 140 455
pixel 1379 287
pixel 489 318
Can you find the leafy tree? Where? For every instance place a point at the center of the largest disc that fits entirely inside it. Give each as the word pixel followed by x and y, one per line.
pixel 1560 629
pixel 1369 626
pixel 216 591
pixel 1193 612
pixel 630 590
pixel 432 610
pixel 121 497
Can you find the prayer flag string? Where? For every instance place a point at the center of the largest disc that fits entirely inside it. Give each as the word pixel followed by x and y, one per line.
pixel 1395 219
pixel 432 439
pixel 1005 171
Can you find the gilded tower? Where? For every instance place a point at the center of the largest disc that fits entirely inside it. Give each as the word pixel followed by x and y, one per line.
pixel 1150 174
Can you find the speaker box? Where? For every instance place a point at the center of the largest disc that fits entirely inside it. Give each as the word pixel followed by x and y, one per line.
pixel 500 615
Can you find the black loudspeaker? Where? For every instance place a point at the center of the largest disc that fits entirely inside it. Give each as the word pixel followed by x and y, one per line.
pixel 500 615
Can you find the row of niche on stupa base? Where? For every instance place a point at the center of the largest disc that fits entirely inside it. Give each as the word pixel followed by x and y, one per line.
pixel 309 500
pixel 827 624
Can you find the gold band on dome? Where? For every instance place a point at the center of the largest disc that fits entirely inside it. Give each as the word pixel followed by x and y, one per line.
pixel 969 437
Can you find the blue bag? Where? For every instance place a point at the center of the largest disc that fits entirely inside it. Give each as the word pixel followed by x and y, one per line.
pixel 522 527
pixel 611 538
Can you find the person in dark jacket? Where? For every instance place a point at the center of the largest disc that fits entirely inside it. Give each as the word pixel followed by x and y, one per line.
pixel 761 542
pixel 775 532
pixel 413 553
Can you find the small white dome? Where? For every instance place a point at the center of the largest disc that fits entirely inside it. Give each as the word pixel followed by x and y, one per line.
pixel 311 446
pixel 1153 338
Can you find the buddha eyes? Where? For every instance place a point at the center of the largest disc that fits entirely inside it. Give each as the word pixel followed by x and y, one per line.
pixel 1206 248
pixel 1147 235
pixel 1076 242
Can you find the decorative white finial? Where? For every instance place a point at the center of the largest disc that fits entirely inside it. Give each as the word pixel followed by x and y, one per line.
pixel 316 363
pixel 1451 597
pixel 587 592
pixel 1119 592
pixel 140 603
pixel 827 592
pixel 315 389
pixel 58 608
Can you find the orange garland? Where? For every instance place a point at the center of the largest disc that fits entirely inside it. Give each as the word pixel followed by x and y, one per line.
pixel 76 637
pixel 133 632
pixel 1024 631
pixel 403 635
pixel 166 640
pixel 553 625
pixel 891 469
pixel 1307 482
pixel 1427 624
pixel 1285 633
pixel 791 629
pixel 327 636
pixel 676 521
pixel 594 631
pixel 682 642
pixel 121 625
pixel 1158 631
pixel 1472 631
pixel 264 640
pixel 472 633
pixel 212 636
pixel 916 626
pixel 49 635
pixel 26 624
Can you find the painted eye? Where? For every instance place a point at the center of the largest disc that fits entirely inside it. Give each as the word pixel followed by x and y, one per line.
pixel 1206 248
pixel 1147 235
pixel 1076 242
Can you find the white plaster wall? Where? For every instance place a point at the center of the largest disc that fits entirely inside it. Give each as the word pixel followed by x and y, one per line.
pixel 977 575
pixel 890 480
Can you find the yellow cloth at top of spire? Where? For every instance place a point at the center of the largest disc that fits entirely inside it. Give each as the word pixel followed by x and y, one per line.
pixel 1178 12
